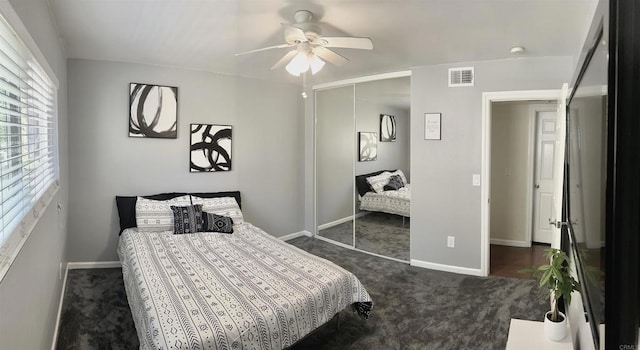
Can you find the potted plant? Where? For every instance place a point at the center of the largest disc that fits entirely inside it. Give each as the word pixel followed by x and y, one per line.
pixel 557 278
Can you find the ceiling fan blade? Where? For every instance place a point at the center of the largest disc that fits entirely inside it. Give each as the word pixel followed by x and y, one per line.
pixel 330 56
pixel 293 35
pixel 285 59
pixel 347 42
pixel 265 48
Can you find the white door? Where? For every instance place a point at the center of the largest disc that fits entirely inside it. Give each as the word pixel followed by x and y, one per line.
pixel 549 171
pixel 544 175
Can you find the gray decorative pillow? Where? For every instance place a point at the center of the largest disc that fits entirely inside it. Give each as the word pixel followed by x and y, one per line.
pixel 187 219
pixel 401 174
pixel 395 183
pixel 216 223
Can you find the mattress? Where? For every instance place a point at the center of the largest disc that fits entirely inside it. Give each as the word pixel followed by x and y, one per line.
pixel 246 290
pixel 393 202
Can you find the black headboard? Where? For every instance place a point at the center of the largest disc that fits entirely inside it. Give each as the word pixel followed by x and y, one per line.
pixel 127 204
pixel 361 181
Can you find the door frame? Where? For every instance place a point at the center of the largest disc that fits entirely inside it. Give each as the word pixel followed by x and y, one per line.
pixel 485 190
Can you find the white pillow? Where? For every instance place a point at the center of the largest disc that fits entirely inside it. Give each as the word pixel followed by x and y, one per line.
pixel 225 206
pixel 399 172
pixel 378 182
pixel 152 215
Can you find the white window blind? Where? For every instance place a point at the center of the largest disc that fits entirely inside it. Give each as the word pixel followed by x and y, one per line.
pixel 28 145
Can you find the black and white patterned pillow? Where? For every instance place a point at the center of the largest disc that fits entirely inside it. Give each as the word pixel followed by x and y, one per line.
pixel 156 215
pixel 225 206
pixel 216 223
pixel 395 183
pixel 187 219
pixel 378 182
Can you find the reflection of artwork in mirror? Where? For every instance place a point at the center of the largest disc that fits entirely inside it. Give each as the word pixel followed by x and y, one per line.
pixel 368 146
pixel 153 111
pixel 210 148
pixel 387 128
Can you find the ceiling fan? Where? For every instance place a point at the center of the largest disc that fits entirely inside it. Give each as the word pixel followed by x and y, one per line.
pixel 311 49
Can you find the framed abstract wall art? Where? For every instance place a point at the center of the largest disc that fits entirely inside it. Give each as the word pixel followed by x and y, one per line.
pixel 210 148
pixel 153 111
pixel 387 128
pixel 368 146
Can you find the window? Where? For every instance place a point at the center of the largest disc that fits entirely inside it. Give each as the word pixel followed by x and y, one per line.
pixel 28 143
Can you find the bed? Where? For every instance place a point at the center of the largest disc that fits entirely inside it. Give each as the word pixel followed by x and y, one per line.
pixel 244 290
pixel 391 201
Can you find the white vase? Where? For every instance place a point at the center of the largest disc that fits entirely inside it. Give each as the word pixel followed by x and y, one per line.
pixel 555 331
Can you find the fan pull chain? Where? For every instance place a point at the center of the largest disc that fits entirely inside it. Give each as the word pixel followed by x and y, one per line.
pixel 304 85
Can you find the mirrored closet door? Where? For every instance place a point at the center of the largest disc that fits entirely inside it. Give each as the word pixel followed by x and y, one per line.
pixel 334 163
pixel 362 138
pixel 382 222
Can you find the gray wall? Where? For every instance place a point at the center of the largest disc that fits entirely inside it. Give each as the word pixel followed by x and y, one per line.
pixel 30 291
pixel 105 162
pixel 444 203
pixel 335 156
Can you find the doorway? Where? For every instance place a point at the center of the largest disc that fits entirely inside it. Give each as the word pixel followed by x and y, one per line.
pixel 486 203
pixel 523 135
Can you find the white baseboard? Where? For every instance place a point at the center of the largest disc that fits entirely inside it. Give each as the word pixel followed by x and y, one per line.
pixel 335 223
pixel 57 326
pixel 93 265
pixel 295 235
pixel 510 243
pixel 446 268
pixel 341 221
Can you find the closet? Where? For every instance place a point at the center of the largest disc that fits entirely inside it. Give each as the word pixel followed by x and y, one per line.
pixel 362 128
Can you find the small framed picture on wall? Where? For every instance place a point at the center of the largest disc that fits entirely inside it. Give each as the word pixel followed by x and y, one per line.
pixel 432 126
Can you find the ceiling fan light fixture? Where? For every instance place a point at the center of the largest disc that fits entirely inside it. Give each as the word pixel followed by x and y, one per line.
pixel 298 65
pixel 316 64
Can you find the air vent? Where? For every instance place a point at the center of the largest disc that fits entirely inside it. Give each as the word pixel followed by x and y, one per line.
pixel 462 76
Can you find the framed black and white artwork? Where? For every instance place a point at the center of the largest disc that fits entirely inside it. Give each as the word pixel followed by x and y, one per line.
pixel 210 148
pixel 368 142
pixel 153 111
pixel 387 128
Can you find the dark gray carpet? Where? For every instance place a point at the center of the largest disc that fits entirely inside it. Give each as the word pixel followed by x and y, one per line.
pixel 383 234
pixel 342 233
pixel 379 233
pixel 414 308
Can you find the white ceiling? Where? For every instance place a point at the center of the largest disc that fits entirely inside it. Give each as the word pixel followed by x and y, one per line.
pixel 205 34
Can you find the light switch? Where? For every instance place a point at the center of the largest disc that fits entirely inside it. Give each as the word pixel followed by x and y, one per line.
pixel 476 180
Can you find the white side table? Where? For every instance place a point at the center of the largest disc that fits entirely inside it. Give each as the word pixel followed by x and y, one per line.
pixel 525 335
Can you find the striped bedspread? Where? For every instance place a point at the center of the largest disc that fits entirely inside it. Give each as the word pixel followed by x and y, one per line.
pixel 392 202
pixel 246 290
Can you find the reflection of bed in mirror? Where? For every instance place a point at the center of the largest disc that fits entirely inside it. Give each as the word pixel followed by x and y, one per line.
pixel 378 192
